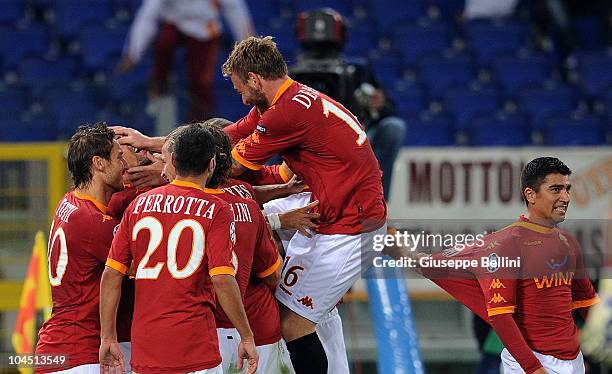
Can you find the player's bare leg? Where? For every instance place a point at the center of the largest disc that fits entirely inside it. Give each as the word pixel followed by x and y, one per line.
pixel 305 348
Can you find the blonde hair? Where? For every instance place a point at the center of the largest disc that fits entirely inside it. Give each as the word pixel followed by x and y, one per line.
pixel 256 55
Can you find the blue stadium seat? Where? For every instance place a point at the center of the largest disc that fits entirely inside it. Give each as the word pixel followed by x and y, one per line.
pixel 99 43
pixel 465 103
pixel 595 73
pixel 389 13
pixel 344 7
pixel 541 103
pixel 588 32
pixel 567 130
pixel 492 130
pixel 144 123
pixel 517 72
pixel 122 88
pixel 449 10
pixel 441 72
pixel 490 38
pixel 72 15
pixel 283 36
pixel 416 40
pixel 409 100
pixel 16 44
pixel 29 128
pixel 361 39
pixel 13 99
pixel 263 11
pixel 426 130
pixel 73 106
pixel 11 10
pixel 39 73
pixel 387 70
pixel 228 104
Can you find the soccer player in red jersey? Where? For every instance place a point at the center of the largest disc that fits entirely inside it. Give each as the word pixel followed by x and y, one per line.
pixel 79 241
pixel 258 260
pixel 179 237
pixel 326 147
pixel 529 306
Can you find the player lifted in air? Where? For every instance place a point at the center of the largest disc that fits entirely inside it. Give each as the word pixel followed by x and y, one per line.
pixel 179 239
pixel 326 147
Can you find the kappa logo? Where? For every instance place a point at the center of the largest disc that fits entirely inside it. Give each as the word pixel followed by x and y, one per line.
pixel 261 128
pixel 306 301
pixel 450 252
pixel 106 217
pixel 115 230
pixel 495 284
pixel 497 298
pixel 492 245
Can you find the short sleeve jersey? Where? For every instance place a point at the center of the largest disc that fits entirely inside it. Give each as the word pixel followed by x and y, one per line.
pixel 324 144
pixel 79 241
pixel 541 293
pixel 254 247
pixel 178 237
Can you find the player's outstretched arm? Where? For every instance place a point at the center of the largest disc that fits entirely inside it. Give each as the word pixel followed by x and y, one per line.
pixel 229 298
pixel 265 193
pixel 110 354
pixel 137 139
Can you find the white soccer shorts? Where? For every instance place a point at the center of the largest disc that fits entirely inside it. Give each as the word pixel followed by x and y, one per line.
pixel 330 332
pixel 81 369
pixel 273 358
pixel 126 349
pixel 552 364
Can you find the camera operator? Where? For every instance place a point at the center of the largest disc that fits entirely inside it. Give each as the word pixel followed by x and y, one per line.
pixel 351 81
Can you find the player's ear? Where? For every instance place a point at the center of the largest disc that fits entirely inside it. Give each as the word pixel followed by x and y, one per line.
pixel 530 195
pixel 97 162
pixel 172 159
pixel 212 164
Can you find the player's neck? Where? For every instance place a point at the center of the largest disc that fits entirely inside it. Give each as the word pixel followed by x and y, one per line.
pixel 534 218
pixel 199 180
pixel 271 87
pixel 97 190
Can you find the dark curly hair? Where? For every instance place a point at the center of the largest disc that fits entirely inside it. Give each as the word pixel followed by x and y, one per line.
pixel 194 147
pixel 536 170
pixel 223 150
pixel 87 142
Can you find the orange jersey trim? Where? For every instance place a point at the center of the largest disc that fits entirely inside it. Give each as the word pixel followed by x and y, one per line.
pixel 103 208
pixel 114 264
pixel 182 183
pixel 214 191
pixel 281 90
pixel 243 161
pixel 533 227
pixel 222 270
pixel 282 170
pixel 500 310
pixel 585 303
pixel 271 269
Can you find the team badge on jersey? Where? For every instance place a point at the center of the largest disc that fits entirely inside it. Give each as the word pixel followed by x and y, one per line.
pixel 493 263
pixel 232 232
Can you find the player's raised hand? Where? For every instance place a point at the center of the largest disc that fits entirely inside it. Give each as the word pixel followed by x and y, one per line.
pixel 247 350
pixel 149 176
pixel 300 219
pixel 111 357
pixel 133 137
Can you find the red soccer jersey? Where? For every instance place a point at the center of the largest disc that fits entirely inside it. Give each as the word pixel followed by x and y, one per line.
pixel 243 127
pixel 178 236
pixel 79 241
pixel 542 292
pixel 257 258
pixel 324 144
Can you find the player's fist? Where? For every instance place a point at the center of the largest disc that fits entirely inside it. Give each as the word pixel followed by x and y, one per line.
pixel 247 350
